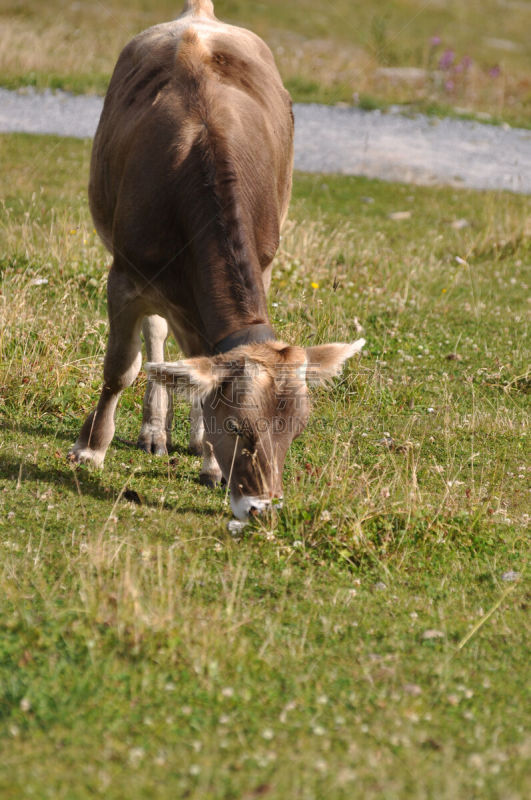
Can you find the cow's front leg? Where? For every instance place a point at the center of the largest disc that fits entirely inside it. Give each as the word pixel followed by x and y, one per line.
pixel 210 474
pixel 155 433
pixel 122 363
pixel 197 428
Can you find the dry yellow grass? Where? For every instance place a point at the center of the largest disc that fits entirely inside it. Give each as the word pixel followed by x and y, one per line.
pixel 324 52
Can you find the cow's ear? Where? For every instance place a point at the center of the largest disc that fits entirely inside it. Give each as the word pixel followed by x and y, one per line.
pixel 325 361
pixel 194 376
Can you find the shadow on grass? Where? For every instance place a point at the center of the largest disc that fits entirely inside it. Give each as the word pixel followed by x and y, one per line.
pixel 69 434
pixel 88 484
pixel 40 429
pixel 128 444
pixel 11 467
pixel 205 512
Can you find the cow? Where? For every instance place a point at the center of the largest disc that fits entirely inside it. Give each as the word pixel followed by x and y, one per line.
pixel 190 181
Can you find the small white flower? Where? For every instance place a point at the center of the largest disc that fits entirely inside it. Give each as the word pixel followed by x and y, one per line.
pixel 25 704
pixel 433 634
pixel 510 576
pixel 136 755
pixel 267 734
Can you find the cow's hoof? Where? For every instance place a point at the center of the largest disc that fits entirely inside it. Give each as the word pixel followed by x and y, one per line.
pixel 156 444
pixel 85 455
pixel 152 448
pixel 210 479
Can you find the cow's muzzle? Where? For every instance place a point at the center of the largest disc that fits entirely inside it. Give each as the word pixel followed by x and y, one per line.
pixel 245 507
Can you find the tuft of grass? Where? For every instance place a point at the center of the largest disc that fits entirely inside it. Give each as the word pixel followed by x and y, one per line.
pixel 369 641
pixel 326 53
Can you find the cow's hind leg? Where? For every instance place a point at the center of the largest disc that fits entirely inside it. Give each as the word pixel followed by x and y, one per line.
pixel 155 433
pixel 122 363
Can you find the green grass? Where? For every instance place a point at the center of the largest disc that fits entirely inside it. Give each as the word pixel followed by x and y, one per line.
pixel 143 651
pixel 327 52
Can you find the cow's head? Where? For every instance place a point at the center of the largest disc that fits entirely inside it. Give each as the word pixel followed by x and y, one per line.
pixel 255 402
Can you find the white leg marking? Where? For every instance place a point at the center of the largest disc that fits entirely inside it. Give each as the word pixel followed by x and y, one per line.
pixel 197 428
pixel 155 433
pixel 210 473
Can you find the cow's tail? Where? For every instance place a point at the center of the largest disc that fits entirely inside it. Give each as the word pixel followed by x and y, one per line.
pixel 199 8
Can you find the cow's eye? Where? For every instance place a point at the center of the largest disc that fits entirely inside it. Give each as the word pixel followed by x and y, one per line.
pixel 232 426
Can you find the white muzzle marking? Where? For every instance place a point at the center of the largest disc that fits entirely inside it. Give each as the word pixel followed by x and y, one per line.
pixel 243 506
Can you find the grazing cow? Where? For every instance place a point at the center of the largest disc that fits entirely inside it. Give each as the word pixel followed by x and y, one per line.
pixel 189 185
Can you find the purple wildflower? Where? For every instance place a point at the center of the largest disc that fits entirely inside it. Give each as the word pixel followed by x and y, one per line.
pixel 466 62
pixel 449 86
pixel 435 41
pixel 495 72
pixel 447 59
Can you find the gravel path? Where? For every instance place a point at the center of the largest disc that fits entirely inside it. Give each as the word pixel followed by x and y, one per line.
pixel 421 150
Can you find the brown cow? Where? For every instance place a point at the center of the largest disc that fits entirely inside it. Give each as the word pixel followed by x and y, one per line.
pixel 190 183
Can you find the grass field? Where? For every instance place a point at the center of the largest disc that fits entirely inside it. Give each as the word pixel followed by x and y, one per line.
pixel 371 643
pixel 470 58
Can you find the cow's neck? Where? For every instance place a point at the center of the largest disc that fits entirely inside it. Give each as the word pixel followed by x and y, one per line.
pixel 229 288
pixel 232 304
pixel 250 334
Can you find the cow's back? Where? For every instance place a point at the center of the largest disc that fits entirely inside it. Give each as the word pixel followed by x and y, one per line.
pixel 191 99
